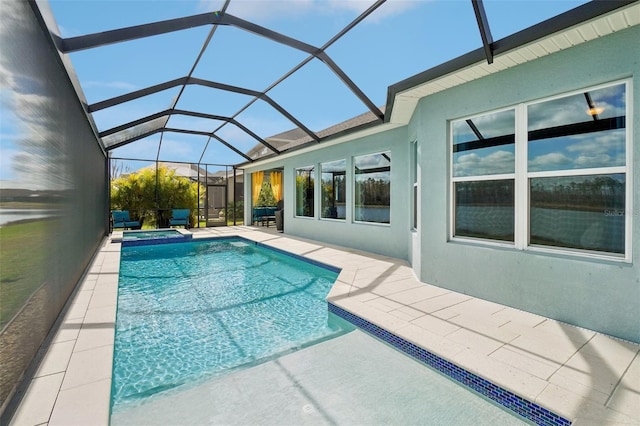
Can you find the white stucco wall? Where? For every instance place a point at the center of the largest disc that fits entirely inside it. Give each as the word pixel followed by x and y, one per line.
pixel 601 295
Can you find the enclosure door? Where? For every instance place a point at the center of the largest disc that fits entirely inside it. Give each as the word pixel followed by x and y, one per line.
pixel 216 205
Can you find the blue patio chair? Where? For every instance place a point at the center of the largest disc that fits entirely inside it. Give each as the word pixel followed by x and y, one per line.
pixel 258 214
pixel 263 215
pixel 122 220
pixel 180 217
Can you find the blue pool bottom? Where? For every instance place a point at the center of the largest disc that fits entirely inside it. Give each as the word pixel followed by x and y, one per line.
pixel 192 310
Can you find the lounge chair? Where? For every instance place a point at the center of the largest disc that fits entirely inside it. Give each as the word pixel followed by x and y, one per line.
pixel 122 220
pixel 180 217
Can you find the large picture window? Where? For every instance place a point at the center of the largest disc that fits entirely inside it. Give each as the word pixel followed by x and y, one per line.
pixel 333 176
pixel 305 182
pixel 570 190
pixel 372 192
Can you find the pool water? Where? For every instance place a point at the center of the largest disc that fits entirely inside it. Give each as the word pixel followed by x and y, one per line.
pixel 148 235
pixel 194 310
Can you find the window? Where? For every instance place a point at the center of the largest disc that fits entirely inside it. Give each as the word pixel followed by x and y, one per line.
pixel 576 212
pixel 577 170
pixel 372 195
pixel 414 189
pixel 305 181
pixel 333 189
pixel 570 188
pixel 484 176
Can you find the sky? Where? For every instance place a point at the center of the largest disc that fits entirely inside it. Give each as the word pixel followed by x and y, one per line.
pixel 400 39
pixel 568 152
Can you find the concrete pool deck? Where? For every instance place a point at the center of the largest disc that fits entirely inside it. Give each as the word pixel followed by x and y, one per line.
pixel 584 376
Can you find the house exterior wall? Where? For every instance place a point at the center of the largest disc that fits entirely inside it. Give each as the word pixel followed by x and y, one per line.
pixel 387 239
pixel 55 174
pixel 599 294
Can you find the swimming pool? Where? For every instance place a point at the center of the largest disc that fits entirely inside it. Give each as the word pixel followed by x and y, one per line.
pixel 193 310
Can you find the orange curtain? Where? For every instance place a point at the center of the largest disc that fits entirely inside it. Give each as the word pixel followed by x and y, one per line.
pixel 256 183
pixel 276 185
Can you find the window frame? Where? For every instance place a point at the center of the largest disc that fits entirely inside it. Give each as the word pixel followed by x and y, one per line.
pixel 312 168
pixel 477 178
pixel 415 187
pixel 346 201
pixel 354 191
pixel 522 177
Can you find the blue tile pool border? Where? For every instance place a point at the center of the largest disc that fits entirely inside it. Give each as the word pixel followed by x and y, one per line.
pixel 527 409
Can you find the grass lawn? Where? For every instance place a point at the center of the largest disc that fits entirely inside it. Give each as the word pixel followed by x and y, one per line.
pixel 22 270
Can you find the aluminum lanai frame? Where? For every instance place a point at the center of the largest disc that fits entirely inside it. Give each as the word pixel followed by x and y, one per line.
pixel 487 52
pixel 198 81
pixel 72 44
pixel 216 18
pixel 565 20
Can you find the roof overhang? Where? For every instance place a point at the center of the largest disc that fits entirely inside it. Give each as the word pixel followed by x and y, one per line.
pixel 584 23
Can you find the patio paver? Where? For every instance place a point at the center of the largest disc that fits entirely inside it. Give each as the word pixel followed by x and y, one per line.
pixel 587 377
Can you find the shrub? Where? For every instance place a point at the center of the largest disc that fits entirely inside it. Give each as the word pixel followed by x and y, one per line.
pixel 149 197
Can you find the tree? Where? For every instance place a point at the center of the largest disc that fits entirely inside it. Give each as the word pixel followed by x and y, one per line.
pixel 150 196
pixel 266 197
pixel 118 168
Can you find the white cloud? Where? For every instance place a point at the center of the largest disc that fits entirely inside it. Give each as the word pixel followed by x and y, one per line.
pixel 551 161
pixel 145 149
pixel 600 160
pixel 574 108
pixel 588 145
pixel 186 149
pixel 266 10
pixel 604 143
pixel 376 160
pixel 6 160
pixel 497 162
pixel 260 9
pixel 391 7
pixel 7 79
pixel 605 150
pixel 33 171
